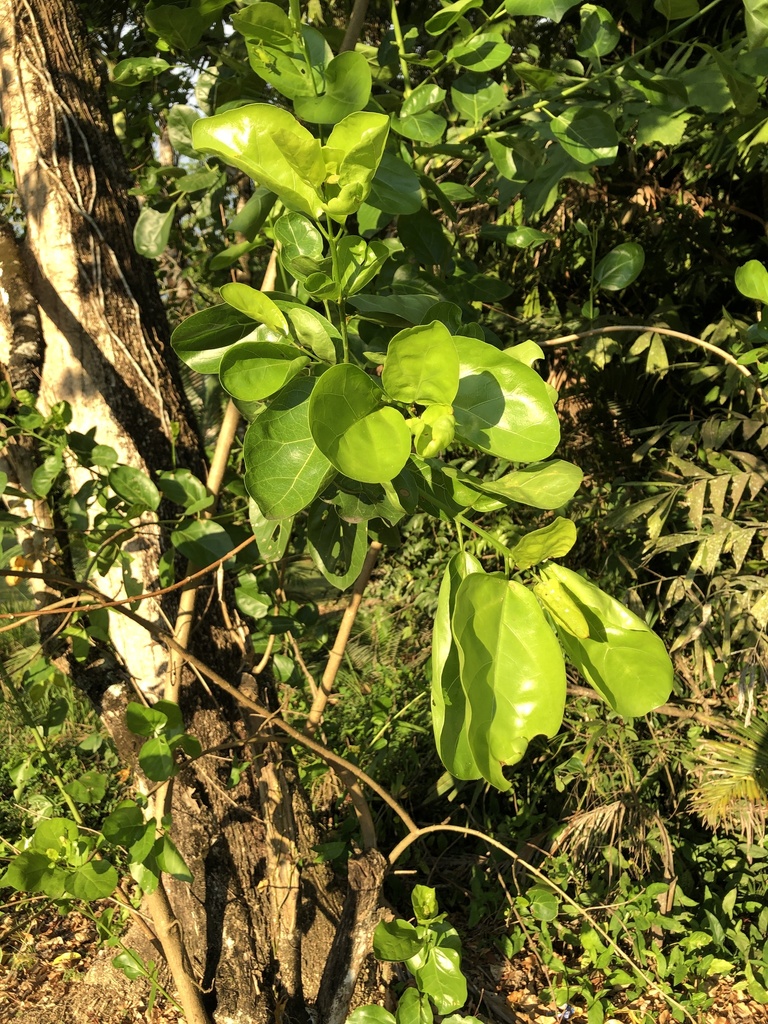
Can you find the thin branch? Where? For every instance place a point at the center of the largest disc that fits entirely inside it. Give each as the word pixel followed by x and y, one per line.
pixel 403 845
pixel 566 339
pixel 354 26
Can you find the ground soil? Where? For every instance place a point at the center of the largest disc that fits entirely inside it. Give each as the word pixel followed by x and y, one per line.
pixel 53 971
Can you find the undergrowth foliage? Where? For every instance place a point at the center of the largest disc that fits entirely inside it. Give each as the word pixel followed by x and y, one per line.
pixel 436 200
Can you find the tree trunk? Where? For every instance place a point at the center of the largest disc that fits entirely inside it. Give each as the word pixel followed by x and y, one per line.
pixel 103 346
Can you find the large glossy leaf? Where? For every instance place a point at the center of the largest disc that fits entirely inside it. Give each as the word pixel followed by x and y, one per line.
pixel 254 304
pixel 254 370
pixel 615 651
pixel 292 66
pixel 362 438
pixel 511 670
pixel 443 492
pixel 553 10
pixel 599 32
pixel 422 365
pixel 268 143
pixel 756 18
pixel 346 88
pixel 441 976
pixel 620 267
pixel 371 1014
pixel 203 338
pixel 474 96
pixel 337 547
pixel 414 1008
pixel 587 135
pixel 502 406
pixel 544 485
pixel 284 468
pixel 449 15
pixel 450 718
pixel 482 52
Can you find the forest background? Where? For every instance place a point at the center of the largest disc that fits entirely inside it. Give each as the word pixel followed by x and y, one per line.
pixel 584 186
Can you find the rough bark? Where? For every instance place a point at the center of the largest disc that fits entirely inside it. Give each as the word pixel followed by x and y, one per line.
pixel 105 350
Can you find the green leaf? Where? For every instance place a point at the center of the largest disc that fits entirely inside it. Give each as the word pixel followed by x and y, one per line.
pixel 449 15
pixel 414 1008
pixel 424 903
pixel 511 670
pixel 751 279
pixel 170 860
pixel 265 23
pixel 250 220
pixel 284 467
pixel 352 156
pixel 181 118
pixel 156 759
pixel 475 96
pixel 442 979
pixel 587 134
pixel 125 825
pixel 756 17
pixel 620 267
pixel 543 904
pixel 553 10
pixel 254 304
pixel 45 476
pixel 502 406
pixel 184 488
pixel 676 10
pixel 152 231
pixel 54 834
pixel 450 718
pixel 426 127
pixel 360 436
pixel 337 547
pixel 516 160
pixel 551 541
pixel 30 872
pixel 396 941
pixel 271 536
pixel 395 187
pixel 620 656
pixel 93 881
pixel 518 238
pixel 422 366
pixel 134 486
pixel 371 1015
pixel 268 143
pixel 546 485
pixel 253 370
pixel 599 33
pixel 88 788
pixel 144 721
pixel 136 70
pixel 203 338
pixel 202 541
pixel 482 52
pixel 346 88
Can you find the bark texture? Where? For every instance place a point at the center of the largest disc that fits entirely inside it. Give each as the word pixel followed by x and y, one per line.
pixel 257 924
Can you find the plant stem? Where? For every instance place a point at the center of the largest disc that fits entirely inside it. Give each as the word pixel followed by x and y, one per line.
pixel 501 548
pixel 400 47
pixel 337 279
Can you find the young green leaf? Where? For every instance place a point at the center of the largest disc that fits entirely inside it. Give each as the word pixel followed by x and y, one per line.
pixel 203 338
pixel 620 267
pixel 396 941
pixel 752 280
pixel 254 370
pixel 254 304
pixel 345 89
pixel 621 657
pixel 551 541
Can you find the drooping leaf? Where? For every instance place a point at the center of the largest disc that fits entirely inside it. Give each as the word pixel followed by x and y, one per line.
pixel 396 940
pixel 511 670
pixel 450 718
pixel 441 976
pixel 395 187
pixel 337 546
pixel 152 231
pixel 254 304
pixel 620 656
pixel 551 541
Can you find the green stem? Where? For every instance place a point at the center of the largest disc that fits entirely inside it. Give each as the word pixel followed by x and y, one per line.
pixel 501 548
pixel 341 302
pixel 400 47
pixel 40 744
